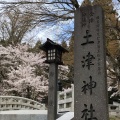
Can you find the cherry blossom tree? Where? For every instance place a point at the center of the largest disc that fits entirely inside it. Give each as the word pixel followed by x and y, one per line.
pixel 21 75
pixel 25 73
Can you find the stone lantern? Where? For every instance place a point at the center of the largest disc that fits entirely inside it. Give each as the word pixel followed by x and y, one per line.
pixel 53 52
pixel 54 58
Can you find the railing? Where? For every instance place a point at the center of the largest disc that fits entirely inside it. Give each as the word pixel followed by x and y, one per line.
pixel 19 103
pixel 66 103
pixel 66 100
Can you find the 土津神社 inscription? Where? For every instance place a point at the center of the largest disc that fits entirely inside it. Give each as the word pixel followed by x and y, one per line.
pixel 87 38
pixel 88 86
pixel 87 114
pixel 87 60
pixel 91 101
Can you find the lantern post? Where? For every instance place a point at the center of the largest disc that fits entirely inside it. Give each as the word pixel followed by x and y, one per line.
pixel 53 58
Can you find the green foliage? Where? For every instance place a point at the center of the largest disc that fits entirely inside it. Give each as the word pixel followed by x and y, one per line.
pixel 66 84
pixel 86 3
pixel 110 19
pixel 4 43
pixel 36 48
pixel 114 118
pixel 68 60
pixel 111 34
pixel 64 44
pixel 65 55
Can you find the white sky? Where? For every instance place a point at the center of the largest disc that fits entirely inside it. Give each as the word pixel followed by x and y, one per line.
pixel 49 32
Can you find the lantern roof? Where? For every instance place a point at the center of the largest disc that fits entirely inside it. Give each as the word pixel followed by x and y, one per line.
pixel 49 44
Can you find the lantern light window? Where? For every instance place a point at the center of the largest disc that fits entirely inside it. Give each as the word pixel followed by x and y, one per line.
pixel 53 52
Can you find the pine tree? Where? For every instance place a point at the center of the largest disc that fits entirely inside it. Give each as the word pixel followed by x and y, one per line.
pixel 70 60
pixel 86 3
pixel 64 44
pixel 65 55
pixel 36 48
pixel 68 57
pixel 110 18
pixel 112 45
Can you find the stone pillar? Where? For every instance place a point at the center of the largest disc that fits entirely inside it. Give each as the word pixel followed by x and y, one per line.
pixel 52 92
pixel 90 81
pixel 72 98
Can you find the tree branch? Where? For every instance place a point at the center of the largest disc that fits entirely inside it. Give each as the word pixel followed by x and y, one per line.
pixel 75 3
pixel 27 2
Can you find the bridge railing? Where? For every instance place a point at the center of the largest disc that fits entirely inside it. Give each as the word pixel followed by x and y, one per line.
pixel 19 103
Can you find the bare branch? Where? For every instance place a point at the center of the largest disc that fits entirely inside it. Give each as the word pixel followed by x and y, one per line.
pixel 27 2
pixel 75 3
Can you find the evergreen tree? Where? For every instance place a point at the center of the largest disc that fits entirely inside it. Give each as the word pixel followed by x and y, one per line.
pixel 70 60
pixel 110 18
pixel 86 3
pixel 65 55
pixel 36 48
pixel 112 45
pixel 64 44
